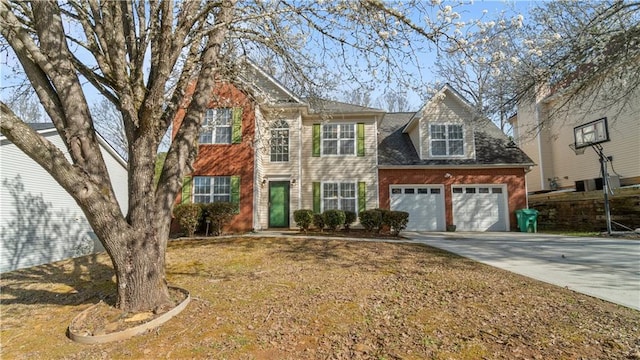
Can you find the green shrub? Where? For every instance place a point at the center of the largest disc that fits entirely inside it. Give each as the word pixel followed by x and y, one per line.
pixel 303 218
pixel 333 219
pixel 371 220
pixel 397 221
pixel 349 218
pixel 318 221
pixel 219 214
pixel 188 216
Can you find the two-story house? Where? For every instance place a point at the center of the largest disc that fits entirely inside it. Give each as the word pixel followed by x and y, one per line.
pixel 321 155
pixel 273 153
pixel 543 128
pixel 445 166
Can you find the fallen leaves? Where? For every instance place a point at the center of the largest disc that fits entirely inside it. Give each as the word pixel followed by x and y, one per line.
pixel 295 298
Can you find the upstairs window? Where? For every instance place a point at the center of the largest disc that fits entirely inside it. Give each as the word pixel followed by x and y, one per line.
pixel 447 140
pixel 216 127
pixel 280 142
pixel 338 139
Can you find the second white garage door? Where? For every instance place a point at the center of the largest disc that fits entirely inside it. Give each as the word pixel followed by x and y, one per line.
pixel 425 205
pixel 480 207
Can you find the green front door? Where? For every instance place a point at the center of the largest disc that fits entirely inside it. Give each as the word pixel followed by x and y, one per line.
pixel 278 204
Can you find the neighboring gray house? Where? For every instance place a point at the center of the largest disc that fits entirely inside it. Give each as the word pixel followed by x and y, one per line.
pixel 39 222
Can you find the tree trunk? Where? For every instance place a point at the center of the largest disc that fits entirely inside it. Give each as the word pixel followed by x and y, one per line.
pixel 140 273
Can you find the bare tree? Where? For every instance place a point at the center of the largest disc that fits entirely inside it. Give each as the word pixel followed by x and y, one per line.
pixel 142 56
pixel 589 54
pixel 360 96
pixel 27 107
pixel 480 71
pixel 394 101
pixel 109 124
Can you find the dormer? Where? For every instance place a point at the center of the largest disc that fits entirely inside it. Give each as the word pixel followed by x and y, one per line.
pixel 443 128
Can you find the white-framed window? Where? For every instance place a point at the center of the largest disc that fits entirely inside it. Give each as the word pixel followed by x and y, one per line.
pixel 207 189
pixel 339 139
pixel 447 139
pixel 339 196
pixel 216 127
pixel 280 142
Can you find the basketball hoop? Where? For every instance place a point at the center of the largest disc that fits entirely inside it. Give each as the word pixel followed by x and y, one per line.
pixel 579 151
pixel 593 134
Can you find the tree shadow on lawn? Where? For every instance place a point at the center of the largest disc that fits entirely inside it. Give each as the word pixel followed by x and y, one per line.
pixel 89 279
pixel 347 255
pixel 82 280
pixel 332 252
pixel 344 253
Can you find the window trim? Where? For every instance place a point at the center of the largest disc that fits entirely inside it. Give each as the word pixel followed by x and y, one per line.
pixel 278 127
pixel 338 139
pixel 212 186
pixel 213 127
pixel 447 140
pixel 339 197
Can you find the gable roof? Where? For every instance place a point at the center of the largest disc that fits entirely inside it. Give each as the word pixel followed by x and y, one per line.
pixel 446 88
pixel 48 128
pixel 41 126
pixel 318 105
pixel 492 146
pixel 265 86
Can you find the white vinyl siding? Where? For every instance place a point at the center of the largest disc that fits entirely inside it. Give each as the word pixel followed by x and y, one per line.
pixel 452 136
pixel 336 168
pixel 40 222
pixel 268 170
pixel 549 147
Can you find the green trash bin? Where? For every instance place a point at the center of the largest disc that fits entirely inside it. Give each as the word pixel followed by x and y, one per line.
pixel 527 220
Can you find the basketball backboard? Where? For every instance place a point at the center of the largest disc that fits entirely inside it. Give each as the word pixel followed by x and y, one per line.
pixel 591 133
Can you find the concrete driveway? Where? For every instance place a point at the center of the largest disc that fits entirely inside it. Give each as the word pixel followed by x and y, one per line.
pixel 606 268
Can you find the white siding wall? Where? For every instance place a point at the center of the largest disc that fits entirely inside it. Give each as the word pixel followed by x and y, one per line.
pixel 528 141
pixel 39 222
pixel 340 168
pixel 550 148
pixel 278 171
pixel 446 111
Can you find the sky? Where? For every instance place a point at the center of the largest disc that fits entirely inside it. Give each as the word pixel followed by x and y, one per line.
pixel 474 11
pixel 425 78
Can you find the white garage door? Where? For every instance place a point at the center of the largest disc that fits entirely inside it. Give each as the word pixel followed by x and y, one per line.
pixel 425 205
pixel 480 207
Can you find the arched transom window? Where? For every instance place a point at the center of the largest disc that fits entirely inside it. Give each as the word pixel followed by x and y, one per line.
pixel 280 141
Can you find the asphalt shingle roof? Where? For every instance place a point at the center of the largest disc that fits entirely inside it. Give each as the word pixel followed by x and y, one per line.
pixel 318 105
pixel 492 146
pixel 41 126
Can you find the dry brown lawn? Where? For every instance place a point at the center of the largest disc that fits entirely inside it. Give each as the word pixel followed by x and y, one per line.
pixel 297 298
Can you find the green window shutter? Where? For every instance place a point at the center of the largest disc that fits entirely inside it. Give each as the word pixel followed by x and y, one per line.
pixel 236 131
pixel 316 140
pixel 186 190
pixel 235 192
pixel 360 139
pixel 362 196
pixel 316 197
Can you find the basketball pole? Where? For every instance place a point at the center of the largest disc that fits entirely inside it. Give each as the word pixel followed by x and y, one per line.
pixel 605 184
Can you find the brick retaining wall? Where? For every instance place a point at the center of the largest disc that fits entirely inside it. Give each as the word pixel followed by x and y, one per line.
pixel 584 211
